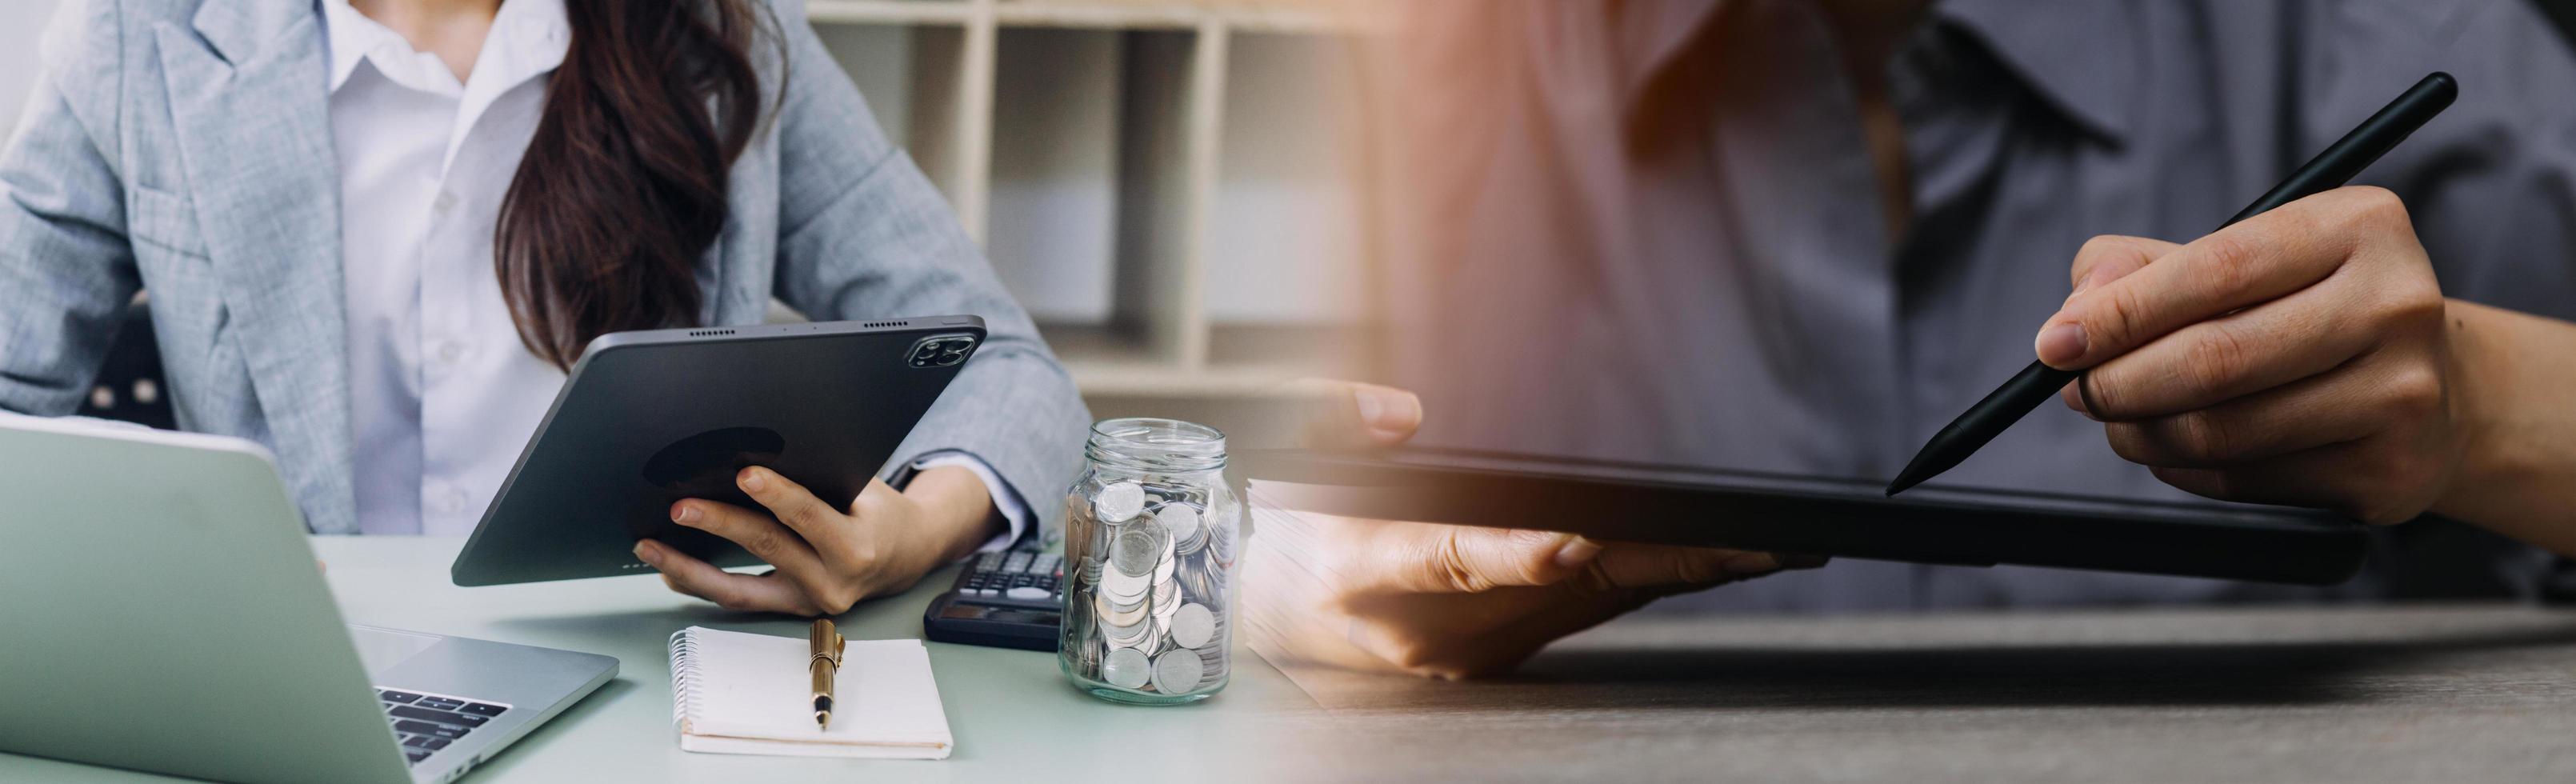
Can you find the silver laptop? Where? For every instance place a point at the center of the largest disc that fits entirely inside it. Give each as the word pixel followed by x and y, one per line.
pixel 164 613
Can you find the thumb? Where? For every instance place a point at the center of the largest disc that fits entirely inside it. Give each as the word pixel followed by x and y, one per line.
pixel 1391 415
pixel 1351 414
pixel 1654 567
pixel 1407 557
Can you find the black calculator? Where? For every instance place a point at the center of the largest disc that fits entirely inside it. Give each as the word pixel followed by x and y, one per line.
pixel 1001 599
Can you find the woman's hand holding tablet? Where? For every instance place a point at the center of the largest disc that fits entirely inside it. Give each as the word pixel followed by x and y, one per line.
pixel 827 557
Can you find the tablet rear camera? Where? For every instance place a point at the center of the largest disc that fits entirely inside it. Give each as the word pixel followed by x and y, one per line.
pixel 941 351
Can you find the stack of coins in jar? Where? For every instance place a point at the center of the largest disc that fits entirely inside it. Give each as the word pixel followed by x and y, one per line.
pixel 1150 530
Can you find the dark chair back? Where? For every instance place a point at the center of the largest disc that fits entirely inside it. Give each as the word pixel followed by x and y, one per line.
pixel 129 386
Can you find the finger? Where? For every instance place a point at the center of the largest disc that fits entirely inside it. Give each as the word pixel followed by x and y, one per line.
pixel 2331 477
pixel 728 590
pixel 1623 567
pixel 2264 257
pixel 2306 414
pixel 1348 413
pixel 756 532
pixel 822 525
pixel 2298 336
pixel 1400 558
pixel 2110 257
pixel 1391 415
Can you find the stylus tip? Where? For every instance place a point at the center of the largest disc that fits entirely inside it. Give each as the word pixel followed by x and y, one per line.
pixel 1906 480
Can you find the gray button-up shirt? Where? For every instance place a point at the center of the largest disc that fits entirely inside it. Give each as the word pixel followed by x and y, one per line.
pixel 1650 230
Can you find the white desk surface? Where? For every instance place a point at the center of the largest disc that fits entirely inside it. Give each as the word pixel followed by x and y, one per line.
pixel 2458 693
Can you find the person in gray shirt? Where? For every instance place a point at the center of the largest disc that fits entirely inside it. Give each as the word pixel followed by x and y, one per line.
pixel 1801 235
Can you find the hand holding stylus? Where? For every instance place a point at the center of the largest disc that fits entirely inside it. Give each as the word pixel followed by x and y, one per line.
pixel 2301 357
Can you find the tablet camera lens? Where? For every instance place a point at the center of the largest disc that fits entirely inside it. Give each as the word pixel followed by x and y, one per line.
pixel 941 351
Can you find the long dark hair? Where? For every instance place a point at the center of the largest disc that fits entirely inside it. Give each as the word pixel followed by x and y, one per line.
pixel 623 187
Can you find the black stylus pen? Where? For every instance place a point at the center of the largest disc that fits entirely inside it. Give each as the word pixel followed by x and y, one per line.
pixel 2329 170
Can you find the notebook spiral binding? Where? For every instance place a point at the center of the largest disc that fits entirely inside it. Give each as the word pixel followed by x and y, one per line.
pixel 684 677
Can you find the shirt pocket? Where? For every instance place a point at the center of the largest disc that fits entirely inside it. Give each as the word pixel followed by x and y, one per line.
pixel 158 220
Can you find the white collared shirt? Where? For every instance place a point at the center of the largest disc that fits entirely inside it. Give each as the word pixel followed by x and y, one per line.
pixel 443 394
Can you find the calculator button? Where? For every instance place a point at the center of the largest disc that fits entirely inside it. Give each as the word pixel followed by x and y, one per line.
pixel 1029 593
pixel 987 592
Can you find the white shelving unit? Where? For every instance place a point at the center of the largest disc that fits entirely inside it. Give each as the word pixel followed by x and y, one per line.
pixel 1166 185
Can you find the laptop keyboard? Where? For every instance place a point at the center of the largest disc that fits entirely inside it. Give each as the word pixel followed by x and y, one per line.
pixel 428 722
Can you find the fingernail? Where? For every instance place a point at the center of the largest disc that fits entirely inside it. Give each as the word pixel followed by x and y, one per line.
pixel 644 552
pixel 1386 409
pixel 2061 343
pixel 1577 553
pixel 1750 564
pixel 684 514
pixel 753 478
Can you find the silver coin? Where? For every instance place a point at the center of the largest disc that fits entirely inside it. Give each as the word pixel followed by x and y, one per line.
pixel 1201 581
pixel 1167 562
pixel 1192 625
pixel 1075 620
pixel 1182 520
pixel 1124 588
pixel 1113 614
pixel 1125 636
pixel 1126 668
pixel 1177 672
pixel 1142 637
pixel 1220 544
pixel 1138 550
pixel 1166 600
pixel 1213 661
pixel 1118 502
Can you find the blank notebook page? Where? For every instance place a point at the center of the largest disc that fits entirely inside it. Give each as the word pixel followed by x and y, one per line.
pixel 736 693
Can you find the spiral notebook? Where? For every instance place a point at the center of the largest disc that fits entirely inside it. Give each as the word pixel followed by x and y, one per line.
pixel 736 693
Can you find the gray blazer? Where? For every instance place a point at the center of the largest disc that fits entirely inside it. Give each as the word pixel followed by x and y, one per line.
pixel 183 146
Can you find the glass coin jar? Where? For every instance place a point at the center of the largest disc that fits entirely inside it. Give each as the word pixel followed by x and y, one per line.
pixel 1150 536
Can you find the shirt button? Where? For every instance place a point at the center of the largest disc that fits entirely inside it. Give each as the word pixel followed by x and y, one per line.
pixel 444 203
pixel 451 351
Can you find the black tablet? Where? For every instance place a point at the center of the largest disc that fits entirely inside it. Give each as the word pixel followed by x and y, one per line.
pixel 1851 518
pixel 649 418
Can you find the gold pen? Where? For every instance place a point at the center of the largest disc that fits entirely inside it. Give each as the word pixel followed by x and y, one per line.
pixel 827 645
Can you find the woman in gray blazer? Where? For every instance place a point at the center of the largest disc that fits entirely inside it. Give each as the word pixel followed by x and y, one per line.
pixel 375 232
